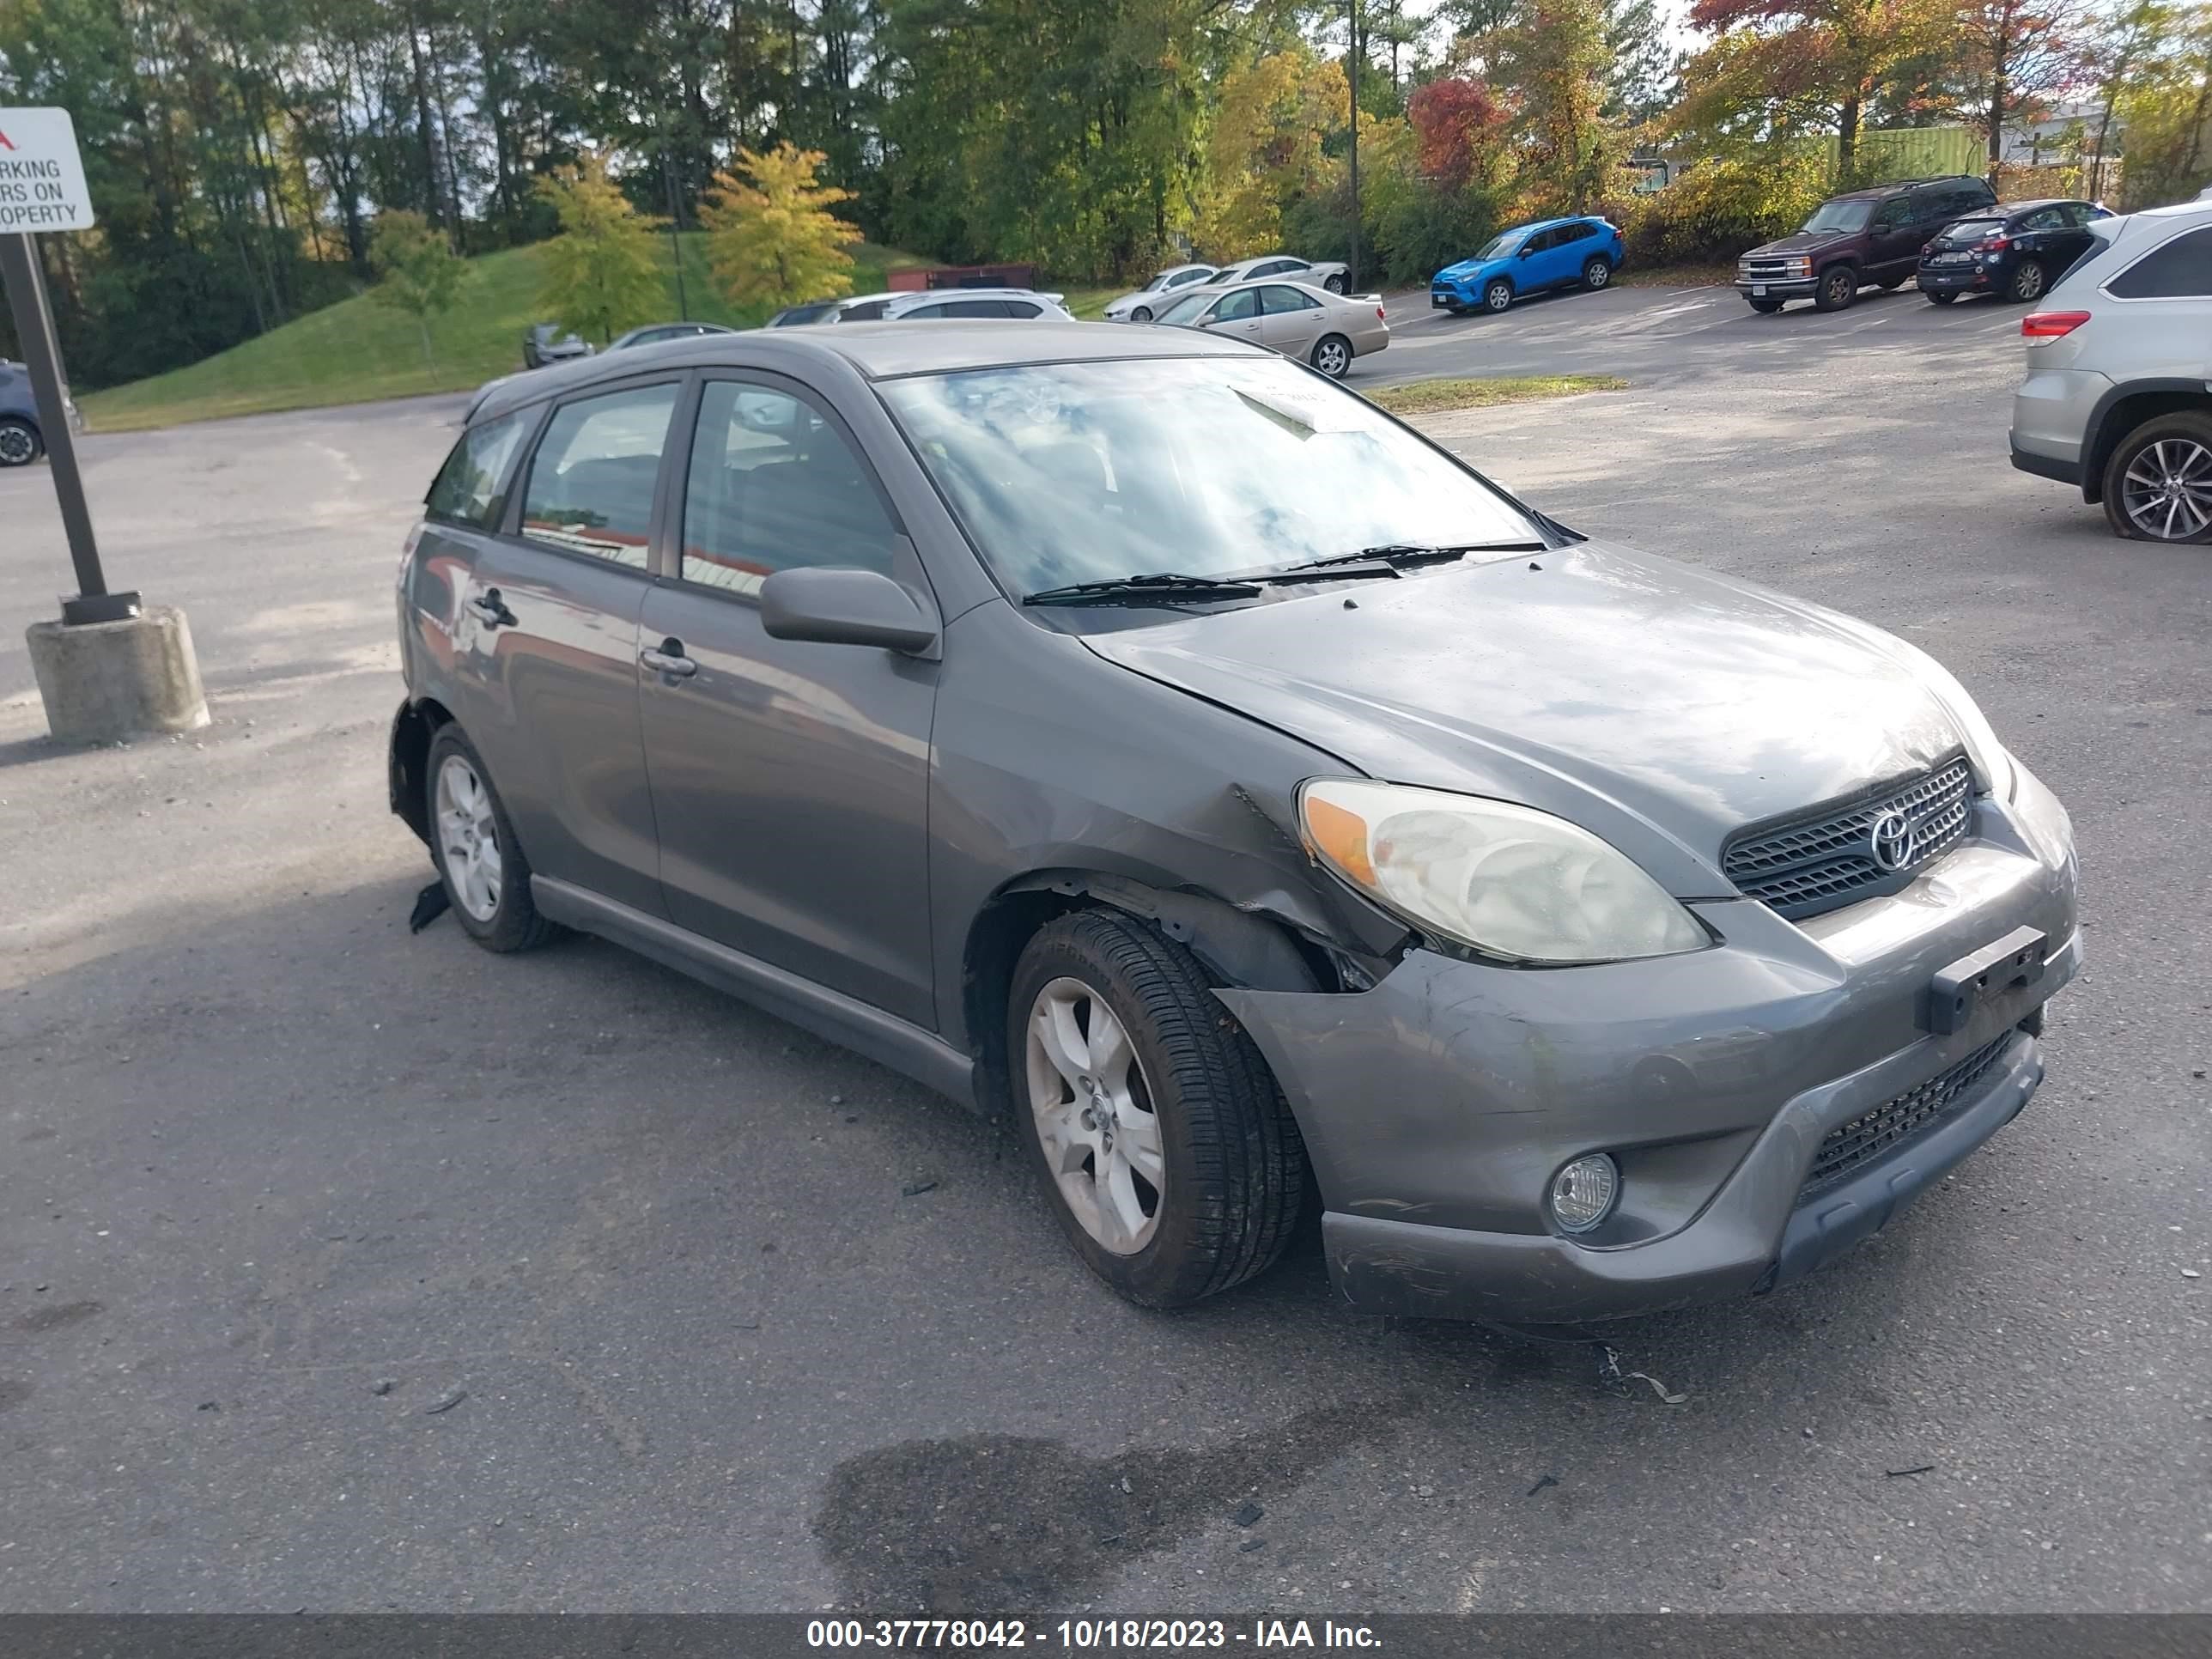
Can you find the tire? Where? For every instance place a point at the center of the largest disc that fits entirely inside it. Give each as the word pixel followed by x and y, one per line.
pixel 1332 356
pixel 1596 273
pixel 18 443
pixel 1336 284
pixel 2029 279
pixel 1142 314
pixel 1839 286
pixel 2170 446
pixel 510 921
pixel 1497 294
pixel 1766 307
pixel 1189 1094
pixel 1940 297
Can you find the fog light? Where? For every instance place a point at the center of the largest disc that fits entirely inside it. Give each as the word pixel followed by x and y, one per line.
pixel 1582 1193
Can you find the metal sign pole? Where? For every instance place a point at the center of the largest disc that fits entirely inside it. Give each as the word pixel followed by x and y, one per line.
pixel 34 327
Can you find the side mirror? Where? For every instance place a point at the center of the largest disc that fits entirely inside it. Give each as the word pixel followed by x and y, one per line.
pixel 834 606
pixel 1527 252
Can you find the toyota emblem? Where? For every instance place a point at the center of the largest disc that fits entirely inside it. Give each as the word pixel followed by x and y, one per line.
pixel 1891 841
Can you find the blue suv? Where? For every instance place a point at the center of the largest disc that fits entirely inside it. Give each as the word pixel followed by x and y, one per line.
pixel 1550 253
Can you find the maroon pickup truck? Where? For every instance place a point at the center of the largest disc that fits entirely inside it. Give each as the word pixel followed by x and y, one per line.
pixel 1861 238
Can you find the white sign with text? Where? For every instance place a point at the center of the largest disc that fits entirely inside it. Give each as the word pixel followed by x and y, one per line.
pixel 41 174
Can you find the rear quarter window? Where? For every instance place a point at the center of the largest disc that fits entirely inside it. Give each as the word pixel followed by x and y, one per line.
pixel 2180 269
pixel 470 487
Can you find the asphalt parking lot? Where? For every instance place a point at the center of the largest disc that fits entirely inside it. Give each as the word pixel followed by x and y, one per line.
pixel 743 1322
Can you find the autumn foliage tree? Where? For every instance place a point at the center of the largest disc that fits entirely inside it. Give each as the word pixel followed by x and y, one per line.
pixel 602 272
pixel 1777 67
pixel 1553 61
pixel 770 232
pixel 1265 147
pixel 2014 56
pixel 1456 120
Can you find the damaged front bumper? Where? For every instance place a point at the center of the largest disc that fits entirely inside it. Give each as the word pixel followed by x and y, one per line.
pixel 1438 1106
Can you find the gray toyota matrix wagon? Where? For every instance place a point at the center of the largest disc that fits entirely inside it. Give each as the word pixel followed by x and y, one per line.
pixel 1133 732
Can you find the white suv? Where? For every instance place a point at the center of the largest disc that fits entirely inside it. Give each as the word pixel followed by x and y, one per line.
pixel 2118 399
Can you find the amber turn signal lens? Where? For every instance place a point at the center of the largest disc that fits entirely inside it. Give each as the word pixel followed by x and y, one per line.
pixel 1340 837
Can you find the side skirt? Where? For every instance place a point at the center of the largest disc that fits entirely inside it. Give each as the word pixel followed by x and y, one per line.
pixel 884 1038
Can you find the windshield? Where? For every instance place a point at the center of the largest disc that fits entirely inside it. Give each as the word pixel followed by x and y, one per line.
pixel 1157 283
pixel 1498 246
pixel 1186 309
pixel 1086 471
pixel 1840 215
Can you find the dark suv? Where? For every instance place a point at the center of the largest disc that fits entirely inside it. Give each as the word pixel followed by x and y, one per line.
pixel 1860 237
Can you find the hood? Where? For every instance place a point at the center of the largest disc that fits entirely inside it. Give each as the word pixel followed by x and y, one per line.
pixel 1466 268
pixel 1803 241
pixel 1660 707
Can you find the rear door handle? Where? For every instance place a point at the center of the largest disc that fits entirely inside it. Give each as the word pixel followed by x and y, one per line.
pixel 667 657
pixel 491 610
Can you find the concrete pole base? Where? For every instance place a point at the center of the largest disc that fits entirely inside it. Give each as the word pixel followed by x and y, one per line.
pixel 102 682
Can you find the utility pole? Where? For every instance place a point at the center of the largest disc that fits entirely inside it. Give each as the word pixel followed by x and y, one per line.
pixel 1351 57
pixel 675 243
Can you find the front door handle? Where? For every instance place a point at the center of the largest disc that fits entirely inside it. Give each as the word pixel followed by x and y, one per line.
pixel 491 610
pixel 667 657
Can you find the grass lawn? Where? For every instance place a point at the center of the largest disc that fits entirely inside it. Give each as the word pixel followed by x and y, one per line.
pixel 1673 276
pixel 1440 396
pixel 358 351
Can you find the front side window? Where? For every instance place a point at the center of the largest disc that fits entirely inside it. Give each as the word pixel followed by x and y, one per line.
pixel 1238 307
pixel 2182 268
pixel 592 479
pixel 1209 466
pixel 774 484
pixel 470 487
pixel 1889 216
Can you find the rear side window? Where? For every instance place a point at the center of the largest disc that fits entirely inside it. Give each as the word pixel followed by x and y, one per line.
pixel 470 487
pixel 2048 218
pixel 2182 268
pixel 976 308
pixel 593 480
pixel 867 311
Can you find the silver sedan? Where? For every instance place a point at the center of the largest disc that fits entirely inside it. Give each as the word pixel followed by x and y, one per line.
pixel 1326 330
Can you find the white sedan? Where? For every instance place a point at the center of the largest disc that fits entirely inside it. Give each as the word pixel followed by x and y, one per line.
pixel 1147 302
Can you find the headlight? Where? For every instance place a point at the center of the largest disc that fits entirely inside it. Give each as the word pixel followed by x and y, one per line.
pixel 1508 881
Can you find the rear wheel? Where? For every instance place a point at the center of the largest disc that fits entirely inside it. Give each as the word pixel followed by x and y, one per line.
pixel 1336 284
pixel 18 443
pixel 2028 280
pixel 1596 273
pixel 487 878
pixel 1164 1146
pixel 2158 485
pixel 1497 294
pixel 1839 286
pixel 1332 356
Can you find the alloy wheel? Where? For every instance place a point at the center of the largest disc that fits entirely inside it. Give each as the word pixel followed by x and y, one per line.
pixel 17 447
pixel 1094 1116
pixel 1497 296
pixel 2167 490
pixel 468 838
pixel 1331 359
pixel 1142 314
pixel 2027 282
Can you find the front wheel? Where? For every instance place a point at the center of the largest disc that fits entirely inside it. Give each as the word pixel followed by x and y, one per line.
pixel 1142 314
pixel 18 443
pixel 487 878
pixel 1839 286
pixel 1596 273
pixel 1336 284
pixel 2158 485
pixel 2027 283
pixel 1164 1146
pixel 1497 294
pixel 1332 356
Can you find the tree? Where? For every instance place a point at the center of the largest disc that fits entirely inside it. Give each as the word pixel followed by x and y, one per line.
pixel 1455 123
pixel 2013 56
pixel 1552 60
pixel 603 271
pixel 771 235
pixel 2131 37
pixel 416 268
pixel 1780 67
pixel 2166 113
pixel 1641 80
pixel 1265 147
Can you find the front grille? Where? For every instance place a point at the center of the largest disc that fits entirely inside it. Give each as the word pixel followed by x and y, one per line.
pixel 1830 857
pixel 1870 1134
pixel 1771 270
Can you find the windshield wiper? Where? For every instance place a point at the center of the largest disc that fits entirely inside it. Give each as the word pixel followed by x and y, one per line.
pixel 1161 586
pixel 1399 555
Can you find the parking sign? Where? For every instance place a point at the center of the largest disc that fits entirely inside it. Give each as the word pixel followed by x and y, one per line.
pixel 41 175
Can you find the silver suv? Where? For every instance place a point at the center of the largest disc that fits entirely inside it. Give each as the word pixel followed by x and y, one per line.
pixel 2118 399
